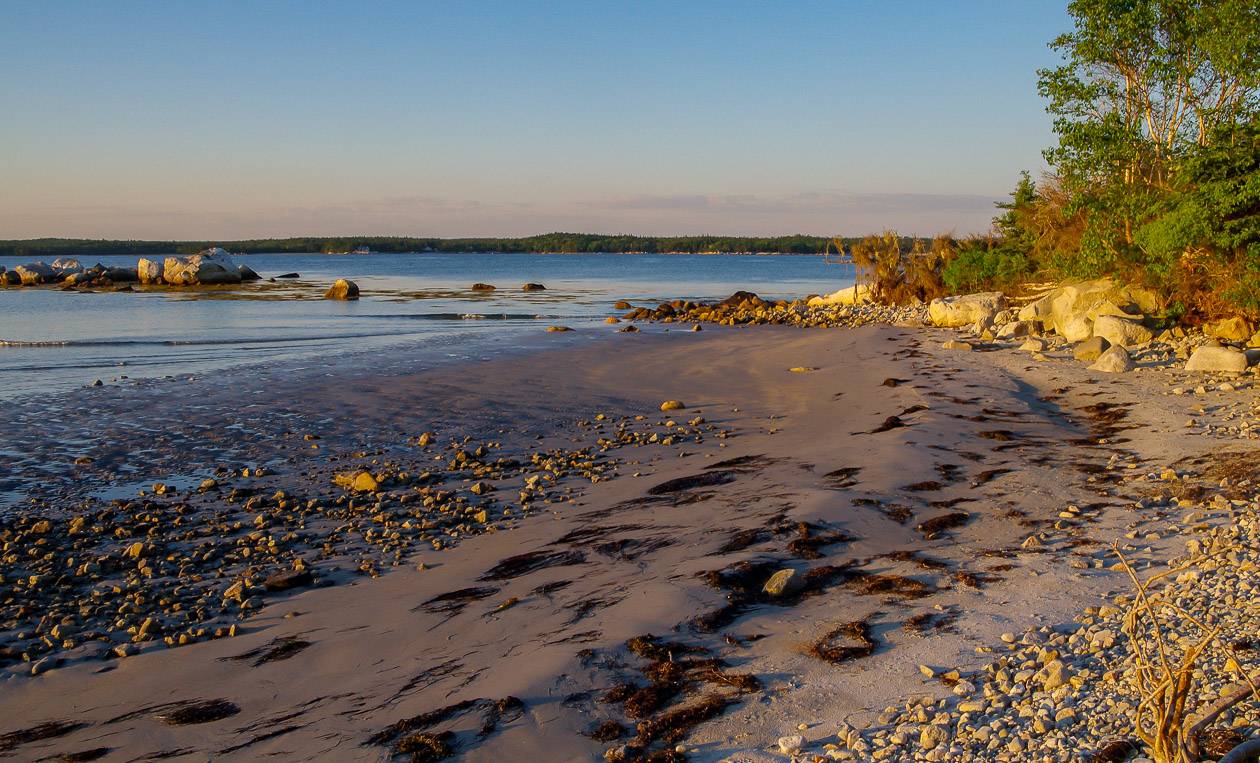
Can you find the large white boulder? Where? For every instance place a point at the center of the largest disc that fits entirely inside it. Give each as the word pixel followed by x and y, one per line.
pixel 1124 332
pixel 149 271
pixel 211 267
pixel 1072 308
pixel 856 294
pixel 1214 358
pixel 1114 360
pixel 966 309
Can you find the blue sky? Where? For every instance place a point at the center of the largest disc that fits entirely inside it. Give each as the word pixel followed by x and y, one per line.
pixel 230 120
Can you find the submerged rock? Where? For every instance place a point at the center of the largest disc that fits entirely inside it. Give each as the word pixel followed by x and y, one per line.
pixel 343 290
pixel 533 287
pixel 482 287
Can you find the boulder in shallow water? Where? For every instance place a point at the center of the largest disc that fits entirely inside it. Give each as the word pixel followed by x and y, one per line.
pixel 1124 332
pixel 482 287
pixel 148 271
pixel 10 278
pixel 213 267
pixel 65 266
pixel 33 273
pixel 1210 358
pixel 342 289
pixel 1115 360
pixel 966 309
pixel 122 275
pixel 533 287
pixel 247 273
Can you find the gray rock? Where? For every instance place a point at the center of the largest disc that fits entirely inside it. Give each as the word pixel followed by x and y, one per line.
pixel 1091 349
pixel 1208 358
pixel 966 309
pixel 1125 332
pixel 1115 360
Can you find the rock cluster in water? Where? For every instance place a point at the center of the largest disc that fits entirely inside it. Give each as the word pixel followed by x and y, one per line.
pixel 213 267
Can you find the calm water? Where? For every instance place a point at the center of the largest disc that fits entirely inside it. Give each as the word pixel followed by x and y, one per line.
pixel 54 341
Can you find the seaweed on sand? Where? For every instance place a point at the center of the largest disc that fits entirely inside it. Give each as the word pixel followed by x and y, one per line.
pixel 523 564
pixel 39 732
pixel 849 641
pixel 199 712
pixel 934 527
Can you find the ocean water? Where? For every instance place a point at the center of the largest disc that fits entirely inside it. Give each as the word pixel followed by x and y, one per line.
pixel 54 341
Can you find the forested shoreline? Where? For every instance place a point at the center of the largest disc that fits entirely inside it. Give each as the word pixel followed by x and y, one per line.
pixel 547 243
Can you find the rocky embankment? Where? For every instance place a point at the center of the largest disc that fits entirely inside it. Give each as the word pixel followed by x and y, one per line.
pixel 743 308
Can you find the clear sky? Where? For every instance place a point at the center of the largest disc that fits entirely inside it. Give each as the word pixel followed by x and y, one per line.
pixel 182 119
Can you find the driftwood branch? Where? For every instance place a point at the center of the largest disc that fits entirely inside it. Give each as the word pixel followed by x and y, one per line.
pixel 1201 722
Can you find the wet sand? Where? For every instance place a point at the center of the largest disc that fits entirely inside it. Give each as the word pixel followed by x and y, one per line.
pixel 899 481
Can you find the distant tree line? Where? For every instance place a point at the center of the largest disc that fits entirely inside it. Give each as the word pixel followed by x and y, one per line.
pixel 46 248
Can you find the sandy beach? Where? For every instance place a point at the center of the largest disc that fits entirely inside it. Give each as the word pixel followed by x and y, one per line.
pixel 897 480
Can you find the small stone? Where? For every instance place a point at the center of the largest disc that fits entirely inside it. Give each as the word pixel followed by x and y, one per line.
pixel 672 405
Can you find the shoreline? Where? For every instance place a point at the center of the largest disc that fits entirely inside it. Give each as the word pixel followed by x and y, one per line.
pixel 810 455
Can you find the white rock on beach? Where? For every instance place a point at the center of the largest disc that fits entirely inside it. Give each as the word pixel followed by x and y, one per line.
pixel 966 309
pixel 1115 360
pixel 857 294
pixel 1209 358
pixel 1124 332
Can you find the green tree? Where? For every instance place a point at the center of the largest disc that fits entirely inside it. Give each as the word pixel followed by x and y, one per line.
pixel 1142 83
